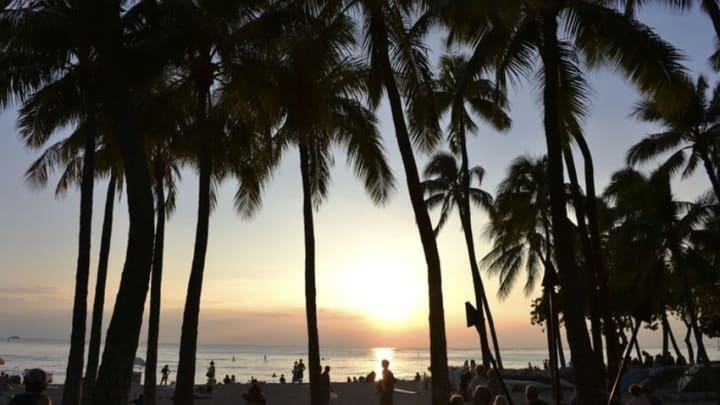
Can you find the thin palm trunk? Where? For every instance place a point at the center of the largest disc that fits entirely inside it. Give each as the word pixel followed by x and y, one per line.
pixel 150 387
pixel 188 339
pixel 438 342
pixel 561 350
pixel 310 292
pixel 121 341
pixel 585 246
pixel 73 380
pixel 478 286
pixel 688 342
pixel 702 356
pixel 191 314
pixel 665 339
pixel 99 300
pixel 710 170
pixel 586 381
pixel 670 334
pixel 612 347
pixel 552 346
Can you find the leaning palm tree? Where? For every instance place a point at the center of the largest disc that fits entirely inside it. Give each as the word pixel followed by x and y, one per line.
pixel 445 187
pixel 486 102
pixel 555 36
pixel 398 66
pixel 691 132
pixel 314 57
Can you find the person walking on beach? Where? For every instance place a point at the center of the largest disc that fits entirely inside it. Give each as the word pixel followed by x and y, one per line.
pixel 325 387
pixel 211 373
pixel 300 371
pixel 165 373
pixel 388 384
pixel 36 380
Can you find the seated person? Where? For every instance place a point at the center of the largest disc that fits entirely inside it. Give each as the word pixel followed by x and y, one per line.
pixel 254 394
pixel 370 378
pixel 36 380
pixel 226 380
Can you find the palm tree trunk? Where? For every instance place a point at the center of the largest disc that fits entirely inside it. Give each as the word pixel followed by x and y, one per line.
pixel 665 342
pixel 585 246
pixel 188 339
pixel 578 338
pixel 688 342
pixel 438 342
pixel 612 348
pixel 671 335
pixel 478 287
pixel 709 168
pixel 99 300
pixel 561 350
pixel 73 379
pixel 150 387
pixel 115 372
pixel 711 7
pixel 702 356
pixel 310 292
pixel 552 345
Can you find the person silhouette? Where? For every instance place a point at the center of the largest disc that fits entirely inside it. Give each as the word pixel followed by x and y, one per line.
pixel 387 385
pixel 165 373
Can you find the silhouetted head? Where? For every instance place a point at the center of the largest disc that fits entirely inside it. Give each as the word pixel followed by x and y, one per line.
pixel 212 363
pixel 531 393
pixel 500 400
pixel 635 390
pixel 480 370
pixel 35 380
pixel 327 369
pixel 385 363
pixel 481 395
pixel 457 399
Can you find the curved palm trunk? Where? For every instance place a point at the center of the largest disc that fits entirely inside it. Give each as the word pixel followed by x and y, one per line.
pixel 438 342
pixel 710 169
pixel 121 341
pixel 191 314
pixel 612 347
pixel 575 327
pixel 150 387
pixel 711 7
pixel 73 380
pixel 310 293
pixel 585 246
pixel 478 287
pixel 99 300
pixel 688 342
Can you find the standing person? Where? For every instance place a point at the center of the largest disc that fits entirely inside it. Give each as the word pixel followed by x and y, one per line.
pixel 165 373
pixel 325 387
pixel 388 384
pixel 300 371
pixel 211 373
pixel 36 380
pixel 294 372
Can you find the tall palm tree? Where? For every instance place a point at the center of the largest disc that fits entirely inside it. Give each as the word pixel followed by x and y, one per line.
pixel 386 39
pixel 489 104
pixel 710 7
pixel 445 188
pixel 39 38
pixel 532 36
pixel 691 131
pixel 318 86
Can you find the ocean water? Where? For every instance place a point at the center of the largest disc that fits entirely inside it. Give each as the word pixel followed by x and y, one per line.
pixel 262 361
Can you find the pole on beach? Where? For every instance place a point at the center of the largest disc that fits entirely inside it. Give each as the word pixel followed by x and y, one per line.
pixel 473 318
pixel 628 349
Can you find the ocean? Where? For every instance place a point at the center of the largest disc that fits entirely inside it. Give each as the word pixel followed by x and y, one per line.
pixel 262 361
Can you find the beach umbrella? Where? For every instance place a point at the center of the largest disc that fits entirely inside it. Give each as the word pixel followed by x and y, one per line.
pixel 139 362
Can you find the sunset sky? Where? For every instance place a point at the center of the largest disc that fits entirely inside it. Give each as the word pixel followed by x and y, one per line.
pixel 369 258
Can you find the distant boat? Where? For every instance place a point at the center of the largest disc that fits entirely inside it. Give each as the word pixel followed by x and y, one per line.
pixel 13 338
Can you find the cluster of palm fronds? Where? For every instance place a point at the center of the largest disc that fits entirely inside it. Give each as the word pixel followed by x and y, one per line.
pixel 144 87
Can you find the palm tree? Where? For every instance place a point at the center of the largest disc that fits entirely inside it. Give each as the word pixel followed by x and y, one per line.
pixel 692 127
pixel 386 37
pixel 317 88
pixel 39 38
pixel 489 104
pixel 529 34
pixel 708 6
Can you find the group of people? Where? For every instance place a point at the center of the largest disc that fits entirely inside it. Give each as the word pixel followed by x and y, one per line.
pixel 659 360
pixel 36 381
pixel 298 371
pixel 483 396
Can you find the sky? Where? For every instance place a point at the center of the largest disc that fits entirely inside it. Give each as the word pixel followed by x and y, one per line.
pixel 371 275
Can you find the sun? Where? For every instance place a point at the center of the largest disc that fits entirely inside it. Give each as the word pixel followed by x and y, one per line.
pixel 387 292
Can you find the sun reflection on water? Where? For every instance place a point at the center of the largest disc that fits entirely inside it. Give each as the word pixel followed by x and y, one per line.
pixel 383 353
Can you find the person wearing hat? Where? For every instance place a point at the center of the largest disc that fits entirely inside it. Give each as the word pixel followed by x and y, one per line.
pixel 36 380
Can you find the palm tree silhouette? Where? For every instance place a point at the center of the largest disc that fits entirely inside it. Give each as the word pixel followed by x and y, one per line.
pixel 386 37
pixel 489 104
pixel 690 131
